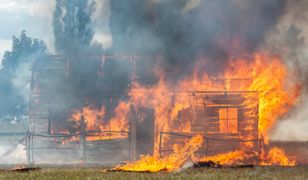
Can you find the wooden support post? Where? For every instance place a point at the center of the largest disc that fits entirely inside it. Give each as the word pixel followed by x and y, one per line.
pixel 207 147
pixel 261 147
pixel 160 142
pixel 260 150
pixel 132 135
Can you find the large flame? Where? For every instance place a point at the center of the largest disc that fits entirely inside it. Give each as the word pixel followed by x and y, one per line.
pixel 231 158
pixel 276 94
pixel 94 122
pixel 275 156
pixel 169 163
pixel 265 74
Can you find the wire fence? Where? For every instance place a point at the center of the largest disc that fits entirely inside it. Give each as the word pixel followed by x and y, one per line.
pixel 210 145
pixel 29 140
pixel 9 151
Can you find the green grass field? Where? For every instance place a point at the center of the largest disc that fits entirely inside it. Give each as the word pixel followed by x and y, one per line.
pixel 204 173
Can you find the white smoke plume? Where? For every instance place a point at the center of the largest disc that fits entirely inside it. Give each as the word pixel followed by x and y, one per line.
pixel 295 125
pixel 101 18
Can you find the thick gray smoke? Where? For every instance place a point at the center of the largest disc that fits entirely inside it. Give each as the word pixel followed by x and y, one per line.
pixel 184 31
pixel 74 27
pixel 292 41
pixel 74 30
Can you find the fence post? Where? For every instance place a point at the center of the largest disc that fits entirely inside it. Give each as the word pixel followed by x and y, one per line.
pixel 83 137
pixel 28 148
pixel 31 148
pixel 84 148
pixel 132 134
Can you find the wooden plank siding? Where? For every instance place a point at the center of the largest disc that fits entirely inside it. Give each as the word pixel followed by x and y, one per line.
pixel 205 120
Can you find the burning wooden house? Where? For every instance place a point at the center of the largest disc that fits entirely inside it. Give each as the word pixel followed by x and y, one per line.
pixel 95 135
pixel 227 118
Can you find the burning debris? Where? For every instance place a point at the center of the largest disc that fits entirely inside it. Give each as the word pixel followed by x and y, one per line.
pixel 274 156
pixel 24 169
pixel 230 158
pixel 170 163
pixel 180 156
pixel 209 163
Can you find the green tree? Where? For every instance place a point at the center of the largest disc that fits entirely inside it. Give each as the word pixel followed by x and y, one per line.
pixel 72 25
pixel 23 48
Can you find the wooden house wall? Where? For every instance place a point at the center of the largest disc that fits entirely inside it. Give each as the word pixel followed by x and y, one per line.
pixel 205 120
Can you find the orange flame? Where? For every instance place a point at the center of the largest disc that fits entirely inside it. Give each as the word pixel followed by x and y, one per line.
pixel 264 74
pixel 91 116
pixel 170 163
pixel 276 156
pixel 230 158
pixel 114 128
pixel 276 94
